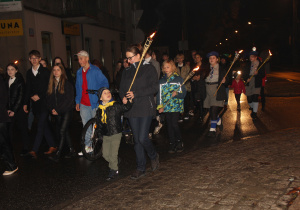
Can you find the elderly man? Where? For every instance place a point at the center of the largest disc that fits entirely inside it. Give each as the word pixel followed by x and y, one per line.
pixel 88 77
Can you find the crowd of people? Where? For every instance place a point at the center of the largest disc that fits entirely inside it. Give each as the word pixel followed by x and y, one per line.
pixel 161 94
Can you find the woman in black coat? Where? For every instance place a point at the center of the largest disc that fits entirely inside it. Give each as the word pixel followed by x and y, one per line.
pixel 60 102
pixel 16 93
pixel 143 109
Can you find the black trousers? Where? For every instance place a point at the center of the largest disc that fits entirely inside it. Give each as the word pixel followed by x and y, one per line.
pixel 199 107
pixel 19 120
pixel 237 98
pixel 173 127
pixel 62 124
pixel 214 112
pixel 187 102
pixel 6 148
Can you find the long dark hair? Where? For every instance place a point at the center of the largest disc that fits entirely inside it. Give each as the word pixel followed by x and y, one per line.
pixel 53 81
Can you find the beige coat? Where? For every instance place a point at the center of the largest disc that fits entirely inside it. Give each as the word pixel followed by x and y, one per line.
pixel 185 70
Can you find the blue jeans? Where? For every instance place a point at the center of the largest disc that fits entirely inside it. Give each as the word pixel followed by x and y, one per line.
pixel 140 128
pixel 87 113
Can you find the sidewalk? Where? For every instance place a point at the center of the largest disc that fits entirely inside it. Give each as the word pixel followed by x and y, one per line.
pixel 255 173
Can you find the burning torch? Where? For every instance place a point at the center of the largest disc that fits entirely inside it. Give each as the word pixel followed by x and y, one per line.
pixel 145 49
pixel 237 55
pixel 268 58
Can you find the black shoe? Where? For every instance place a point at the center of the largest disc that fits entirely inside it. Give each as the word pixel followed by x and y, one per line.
pixel 179 146
pixel 172 148
pixel 211 134
pixel 239 107
pixel 24 153
pixel 254 115
pixel 251 109
pixel 112 174
pixel 137 174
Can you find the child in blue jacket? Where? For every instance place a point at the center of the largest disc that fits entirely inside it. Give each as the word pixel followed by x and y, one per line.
pixel 170 101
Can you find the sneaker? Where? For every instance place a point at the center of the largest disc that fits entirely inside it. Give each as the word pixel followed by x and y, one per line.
pixel 186 118
pixel 137 174
pixel 179 146
pixel 212 134
pixel 155 163
pixel 112 174
pixel 191 113
pixel 51 150
pixel 80 154
pixel 88 149
pixel 7 173
pixel 221 125
pixel 172 148
pixel 180 120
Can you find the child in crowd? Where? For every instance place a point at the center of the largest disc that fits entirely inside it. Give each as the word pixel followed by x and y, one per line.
pixel 109 119
pixel 199 93
pixel 168 86
pixel 238 86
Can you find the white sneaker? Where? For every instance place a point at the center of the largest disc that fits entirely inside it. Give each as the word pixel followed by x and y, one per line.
pixel 7 173
pixel 80 154
pixel 191 113
pixel 88 149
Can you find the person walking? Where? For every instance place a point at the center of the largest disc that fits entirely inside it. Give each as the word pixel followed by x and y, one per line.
pixel 16 93
pixel 214 103
pixel 143 109
pixel 37 79
pixel 5 144
pixel 60 103
pixel 109 118
pixel 170 101
pixel 88 77
pixel 238 86
pixel 253 86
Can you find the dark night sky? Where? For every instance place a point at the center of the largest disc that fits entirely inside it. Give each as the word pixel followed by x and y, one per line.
pixel 209 22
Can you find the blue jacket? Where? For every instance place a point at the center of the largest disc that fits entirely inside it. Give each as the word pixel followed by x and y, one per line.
pixel 166 87
pixel 95 80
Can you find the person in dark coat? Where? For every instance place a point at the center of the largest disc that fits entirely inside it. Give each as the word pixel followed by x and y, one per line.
pixel 16 93
pixel 215 103
pixel 253 86
pixel 109 119
pixel 37 79
pixel 58 60
pixel 60 103
pixel 5 144
pixel 143 110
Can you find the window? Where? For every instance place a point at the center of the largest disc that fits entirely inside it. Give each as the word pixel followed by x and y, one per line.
pixel 101 47
pixel 46 44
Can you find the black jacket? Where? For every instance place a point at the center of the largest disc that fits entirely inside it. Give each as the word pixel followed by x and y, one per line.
pixel 258 78
pixel 16 93
pixel 221 94
pixel 37 85
pixel 3 102
pixel 199 87
pixel 62 103
pixel 144 89
pixel 113 123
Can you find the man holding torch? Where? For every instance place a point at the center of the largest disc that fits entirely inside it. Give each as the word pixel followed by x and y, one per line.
pixel 253 79
pixel 214 100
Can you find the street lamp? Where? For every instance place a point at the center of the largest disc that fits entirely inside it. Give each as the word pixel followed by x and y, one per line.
pixel 249 23
pixel 220 43
pixel 236 31
pixel 226 39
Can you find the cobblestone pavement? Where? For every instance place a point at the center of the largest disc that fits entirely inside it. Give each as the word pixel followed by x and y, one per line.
pixel 254 173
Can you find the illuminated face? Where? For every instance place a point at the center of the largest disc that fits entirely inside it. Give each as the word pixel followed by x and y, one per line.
pixel 132 58
pixel 213 60
pixel 56 71
pixel 180 59
pixel 198 58
pixel 83 61
pixel 44 64
pixel 253 58
pixel 168 69
pixel 35 61
pixel 193 54
pixel 106 96
pixel 11 71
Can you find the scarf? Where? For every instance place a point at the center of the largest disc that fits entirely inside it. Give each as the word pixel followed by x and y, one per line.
pixel 103 108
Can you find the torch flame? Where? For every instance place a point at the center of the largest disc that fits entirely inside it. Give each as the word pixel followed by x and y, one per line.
pixel 196 69
pixel 152 35
pixel 270 53
pixel 241 51
pixel 16 62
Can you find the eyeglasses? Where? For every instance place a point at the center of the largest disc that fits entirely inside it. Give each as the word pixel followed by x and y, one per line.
pixel 34 58
pixel 130 58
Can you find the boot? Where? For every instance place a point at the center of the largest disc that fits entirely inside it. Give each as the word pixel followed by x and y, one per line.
pixel 51 150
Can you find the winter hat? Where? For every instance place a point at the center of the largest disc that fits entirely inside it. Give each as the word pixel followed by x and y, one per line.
pixel 100 91
pixel 213 53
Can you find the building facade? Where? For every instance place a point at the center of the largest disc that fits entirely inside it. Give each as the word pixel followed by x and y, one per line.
pixel 63 28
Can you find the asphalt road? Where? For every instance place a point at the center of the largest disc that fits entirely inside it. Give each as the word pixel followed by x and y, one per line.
pixel 42 183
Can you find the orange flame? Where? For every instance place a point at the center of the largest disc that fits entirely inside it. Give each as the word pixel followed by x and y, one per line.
pixel 241 51
pixel 152 35
pixel 196 69
pixel 16 62
pixel 270 53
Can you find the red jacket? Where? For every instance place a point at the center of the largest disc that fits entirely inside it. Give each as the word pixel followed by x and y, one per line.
pixel 238 88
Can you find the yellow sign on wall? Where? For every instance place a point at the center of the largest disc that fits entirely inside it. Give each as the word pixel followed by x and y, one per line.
pixel 71 28
pixel 11 27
